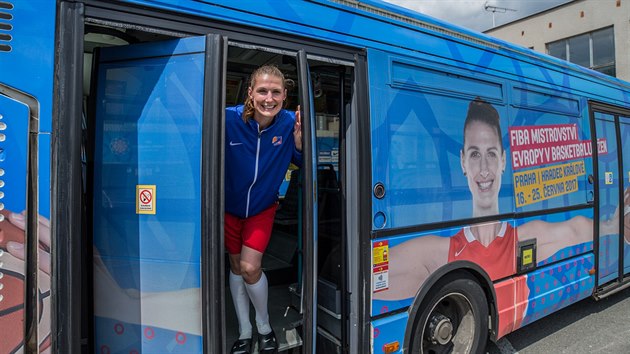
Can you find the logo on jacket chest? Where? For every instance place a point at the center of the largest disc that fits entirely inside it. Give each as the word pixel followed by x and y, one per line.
pixel 276 140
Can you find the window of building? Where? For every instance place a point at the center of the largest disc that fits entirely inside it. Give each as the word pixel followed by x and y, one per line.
pixel 595 50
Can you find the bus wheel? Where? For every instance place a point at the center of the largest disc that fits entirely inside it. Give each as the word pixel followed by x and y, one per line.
pixel 454 319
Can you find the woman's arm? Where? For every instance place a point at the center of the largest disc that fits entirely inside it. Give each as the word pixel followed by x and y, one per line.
pixel 552 237
pixel 411 263
pixel 176 310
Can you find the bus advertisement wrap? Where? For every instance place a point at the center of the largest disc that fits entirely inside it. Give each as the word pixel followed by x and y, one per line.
pixel 446 176
pixel 540 162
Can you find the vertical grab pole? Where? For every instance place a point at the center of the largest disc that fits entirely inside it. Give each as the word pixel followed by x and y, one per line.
pixel 309 208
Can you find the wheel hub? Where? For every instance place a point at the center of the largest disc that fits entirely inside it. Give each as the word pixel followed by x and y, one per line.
pixel 440 329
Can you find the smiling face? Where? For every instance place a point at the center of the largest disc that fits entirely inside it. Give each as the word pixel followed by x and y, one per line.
pixel 267 94
pixel 483 161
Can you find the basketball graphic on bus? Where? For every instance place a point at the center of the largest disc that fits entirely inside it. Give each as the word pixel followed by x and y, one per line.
pixel 12 279
pixel 11 310
pixel 12 290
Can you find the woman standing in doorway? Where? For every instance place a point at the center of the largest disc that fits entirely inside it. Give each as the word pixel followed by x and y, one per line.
pixel 261 139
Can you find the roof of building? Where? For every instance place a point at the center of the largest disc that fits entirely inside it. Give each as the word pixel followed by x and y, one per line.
pixel 551 9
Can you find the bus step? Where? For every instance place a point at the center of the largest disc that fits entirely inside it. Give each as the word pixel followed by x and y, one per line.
pixel 287 339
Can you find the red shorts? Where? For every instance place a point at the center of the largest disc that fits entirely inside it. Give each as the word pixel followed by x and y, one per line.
pixel 253 232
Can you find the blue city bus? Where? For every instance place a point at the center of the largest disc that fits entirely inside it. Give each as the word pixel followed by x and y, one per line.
pixel 454 187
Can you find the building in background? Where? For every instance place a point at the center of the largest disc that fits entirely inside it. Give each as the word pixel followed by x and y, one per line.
pixel 591 33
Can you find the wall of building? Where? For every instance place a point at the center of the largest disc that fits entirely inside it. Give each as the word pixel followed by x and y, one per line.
pixel 571 19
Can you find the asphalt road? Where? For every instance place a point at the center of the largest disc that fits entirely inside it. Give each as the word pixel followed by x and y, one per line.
pixel 588 326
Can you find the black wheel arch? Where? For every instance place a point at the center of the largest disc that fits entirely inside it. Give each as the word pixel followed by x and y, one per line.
pixel 464 268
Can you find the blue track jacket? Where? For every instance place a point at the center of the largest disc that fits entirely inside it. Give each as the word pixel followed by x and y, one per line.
pixel 256 162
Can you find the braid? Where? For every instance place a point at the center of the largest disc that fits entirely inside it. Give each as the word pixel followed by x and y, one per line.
pixel 248 110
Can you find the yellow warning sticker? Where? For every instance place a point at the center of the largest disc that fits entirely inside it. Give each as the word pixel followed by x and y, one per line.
pixel 380 253
pixel 608 178
pixel 145 198
pixel 380 266
pixel 528 256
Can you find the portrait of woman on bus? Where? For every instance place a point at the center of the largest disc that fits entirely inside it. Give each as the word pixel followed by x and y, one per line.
pixel 492 245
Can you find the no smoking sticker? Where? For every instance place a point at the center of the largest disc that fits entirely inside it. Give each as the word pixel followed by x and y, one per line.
pixel 145 199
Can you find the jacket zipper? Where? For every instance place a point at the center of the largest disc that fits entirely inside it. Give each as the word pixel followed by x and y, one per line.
pixel 255 170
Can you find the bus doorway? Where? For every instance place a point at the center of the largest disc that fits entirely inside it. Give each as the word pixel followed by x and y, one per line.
pixel 303 261
pixel 613 176
pixel 159 266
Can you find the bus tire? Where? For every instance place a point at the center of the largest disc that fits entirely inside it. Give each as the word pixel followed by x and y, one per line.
pixel 453 319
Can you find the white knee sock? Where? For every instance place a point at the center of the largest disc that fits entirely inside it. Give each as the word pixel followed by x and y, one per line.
pixel 241 304
pixel 258 293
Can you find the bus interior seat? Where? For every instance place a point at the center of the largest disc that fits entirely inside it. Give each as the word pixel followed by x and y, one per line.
pixel 287 213
pixel 284 241
pixel 327 176
pixel 329 199
pixel 280 251
pixel 329 194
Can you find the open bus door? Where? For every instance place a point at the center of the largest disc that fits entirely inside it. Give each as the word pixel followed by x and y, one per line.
pixel 612 168
pixel 157 197
pixel 324 279
pixel 309 206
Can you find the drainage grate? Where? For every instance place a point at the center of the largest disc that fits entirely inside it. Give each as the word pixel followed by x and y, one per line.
pixel 5 25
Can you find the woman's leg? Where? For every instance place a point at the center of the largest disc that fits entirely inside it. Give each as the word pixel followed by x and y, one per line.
pixel 256 286
pixel 240 297
pixel 234 244
pixel 256 235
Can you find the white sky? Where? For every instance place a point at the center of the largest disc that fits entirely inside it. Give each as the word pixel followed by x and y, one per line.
pixel 471 13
